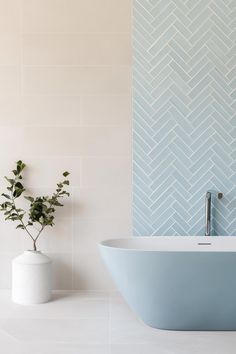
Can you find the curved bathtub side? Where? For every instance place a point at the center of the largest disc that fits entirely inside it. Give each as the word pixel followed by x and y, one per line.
pixel 177 290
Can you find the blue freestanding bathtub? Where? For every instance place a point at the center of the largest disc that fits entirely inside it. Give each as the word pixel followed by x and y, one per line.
pixel 176 283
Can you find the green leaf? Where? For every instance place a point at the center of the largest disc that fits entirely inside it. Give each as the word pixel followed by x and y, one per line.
pixel 6 196
pixel 56 203
pixel 66 173
pixel 66 182
pixel 20 226
pixel 31 199
pixel 17 192
pixel 10 180
pixel 19 185
pixel 20 166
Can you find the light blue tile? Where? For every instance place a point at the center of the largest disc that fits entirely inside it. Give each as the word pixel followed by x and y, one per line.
pixel 184 115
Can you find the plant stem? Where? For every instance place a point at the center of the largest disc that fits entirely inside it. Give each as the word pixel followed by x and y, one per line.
pixel 36 238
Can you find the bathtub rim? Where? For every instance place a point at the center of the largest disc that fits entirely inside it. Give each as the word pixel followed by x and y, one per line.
pixel 190 243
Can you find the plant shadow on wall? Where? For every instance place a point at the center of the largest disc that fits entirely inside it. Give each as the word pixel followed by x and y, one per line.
pixel 42 209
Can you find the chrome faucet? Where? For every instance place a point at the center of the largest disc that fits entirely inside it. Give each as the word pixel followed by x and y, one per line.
pixel 208 211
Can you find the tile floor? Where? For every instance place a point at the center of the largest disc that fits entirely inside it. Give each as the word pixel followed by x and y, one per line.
pixel 95 323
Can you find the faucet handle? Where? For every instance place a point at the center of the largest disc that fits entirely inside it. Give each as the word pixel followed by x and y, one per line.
pixel 220 195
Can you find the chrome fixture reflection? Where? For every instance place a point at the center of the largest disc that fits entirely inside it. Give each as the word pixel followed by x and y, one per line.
pixel 208 211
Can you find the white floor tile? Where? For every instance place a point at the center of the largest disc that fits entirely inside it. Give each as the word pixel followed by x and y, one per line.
pixel 65 306
pixel 64 349
pixel 82 331
pixel 95 323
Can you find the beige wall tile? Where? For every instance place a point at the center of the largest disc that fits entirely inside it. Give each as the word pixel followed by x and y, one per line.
pixel 9 80
pixel 51 110
pixel 9 16
pixel 90 272
pixel 76 15
pixel 89 232
pixel 102 202
pixel 10 111
pixel 9 48
pixel 47 171
pixel 65 104
pixel 106 172
pixel 12 138
pixel 106 110
pixel 74 141
pixel 41 173
pixel 5 266
pixel 62 270
pixel 77 49
pixel 10 238
pixel 76 80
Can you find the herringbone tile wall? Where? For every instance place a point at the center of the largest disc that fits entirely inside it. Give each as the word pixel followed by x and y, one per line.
pixel 184 115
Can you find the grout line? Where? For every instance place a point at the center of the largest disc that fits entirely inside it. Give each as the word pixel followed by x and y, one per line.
pixel 103 94
pixel 73 240
pixel 95 33
pixel 20 52
pixel 109 66
pixel 109 323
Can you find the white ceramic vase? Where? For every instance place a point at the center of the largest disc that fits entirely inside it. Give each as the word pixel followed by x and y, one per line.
pixel 31 278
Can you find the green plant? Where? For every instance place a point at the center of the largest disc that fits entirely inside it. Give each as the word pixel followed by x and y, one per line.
pixel 41 210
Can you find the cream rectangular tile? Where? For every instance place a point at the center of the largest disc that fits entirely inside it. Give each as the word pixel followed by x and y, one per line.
pixel 9 80
pixel 9 16
pixel 89 232
pixel 75 141
pixel 9 48
pixel 81 331
pixel 5 266
pixel 76 16
pixel 76 80
pixel 102 202
pixel 10 111
pixel 10 134
pixel 106 110
pixel 42 173
pixel 10 238
pixel 46 171
pixel 90 273
pixel 51 110
pixel 105 171
pixel 77 49
pixel 62 270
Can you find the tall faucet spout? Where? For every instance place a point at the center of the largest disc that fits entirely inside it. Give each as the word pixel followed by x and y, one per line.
pixel 208 214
